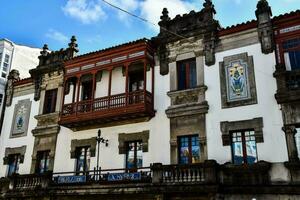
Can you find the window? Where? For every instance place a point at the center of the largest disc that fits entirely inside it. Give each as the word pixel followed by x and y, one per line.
pixel 42 164
pixel 3 75
pixel 243 147
pixel 136 80
pixel 291 53
pixel 87 90
pixel 83 156
pixel 1 98
pixel 0 59
pixel 134 155
pixel 6 58
pixel 13 164
pixel 5 67
pixel 50 101
pixel 189 149
pixel 297 137
pixel 186 74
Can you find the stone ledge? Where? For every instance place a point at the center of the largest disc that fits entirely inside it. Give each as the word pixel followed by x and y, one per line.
pixel 47 119
pixel 187 109
pixel 46 130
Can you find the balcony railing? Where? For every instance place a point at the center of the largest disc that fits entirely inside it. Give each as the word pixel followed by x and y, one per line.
pixel 293 80
pixel 109 107
pixel 206 173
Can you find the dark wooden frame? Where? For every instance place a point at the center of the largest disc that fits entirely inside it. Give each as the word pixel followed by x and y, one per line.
pixel 187 67
pixel 189 146
pixel 52 92
pixel 77 154
pixel 243 145
pixel 135 154
pixel 38 161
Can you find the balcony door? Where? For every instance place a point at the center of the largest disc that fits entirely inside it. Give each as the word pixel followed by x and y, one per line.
pixel 86 90
pixel 136 84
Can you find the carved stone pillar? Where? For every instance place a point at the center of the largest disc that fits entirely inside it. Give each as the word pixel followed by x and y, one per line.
pixel 12 77
pixel 290 132
pixel 265 28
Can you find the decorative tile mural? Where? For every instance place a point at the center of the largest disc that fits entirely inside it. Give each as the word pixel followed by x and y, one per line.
pixel 21 118
pixel 237 81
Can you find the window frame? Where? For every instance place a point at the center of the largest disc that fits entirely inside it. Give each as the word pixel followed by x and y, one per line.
pixel 281 38
pixel 53 100
pixel 39 158
pixel 16 162
pixel 77 155
pixel 296 141
pixel 190 158
pixel 135 154
pixel 244 147
pixel 187 67
pixel 287 50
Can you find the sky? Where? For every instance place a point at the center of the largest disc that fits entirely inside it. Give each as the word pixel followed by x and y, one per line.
pixel 96 25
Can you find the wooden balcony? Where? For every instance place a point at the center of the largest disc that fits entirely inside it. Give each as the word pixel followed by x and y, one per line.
pixel 118 108
pixel 288 86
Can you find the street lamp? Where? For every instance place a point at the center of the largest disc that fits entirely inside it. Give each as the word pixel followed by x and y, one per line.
pixel 100 140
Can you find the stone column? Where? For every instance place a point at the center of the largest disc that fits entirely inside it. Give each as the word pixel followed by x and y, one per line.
pixel 290 132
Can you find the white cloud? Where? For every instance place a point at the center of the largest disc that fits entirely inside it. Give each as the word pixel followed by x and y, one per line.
pixel 86 11
pixel 128 5
pixel 152 9
pixel 56 35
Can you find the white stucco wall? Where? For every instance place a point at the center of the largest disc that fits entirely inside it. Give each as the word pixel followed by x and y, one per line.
pixel 273 149
pixel 102 86
pixel 69 97
pixel 28 140
pixel 118 81
pixel 159 136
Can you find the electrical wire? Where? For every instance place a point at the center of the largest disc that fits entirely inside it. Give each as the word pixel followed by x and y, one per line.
pixel 143 19
pixel 147 21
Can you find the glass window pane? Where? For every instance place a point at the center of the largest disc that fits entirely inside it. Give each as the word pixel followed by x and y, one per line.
pixel 6 59
pixel 251 152
pixel 297 137
pixel 195 149
pixel 184 152
pixel 181 75
pixel 83 159
pixel 13 164
pixel 193 74
pixel 237 151
pixel 139 155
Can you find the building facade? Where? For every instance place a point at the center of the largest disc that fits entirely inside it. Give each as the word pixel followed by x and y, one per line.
pixel 211 114
pixel 14 56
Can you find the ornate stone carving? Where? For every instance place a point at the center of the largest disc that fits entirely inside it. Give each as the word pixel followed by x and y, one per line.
pixel 50 62
pixel 194 24
pixel 290 132
pixel 265 27
pixel 12 77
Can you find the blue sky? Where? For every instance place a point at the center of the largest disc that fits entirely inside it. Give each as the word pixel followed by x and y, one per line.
pixel 97 26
